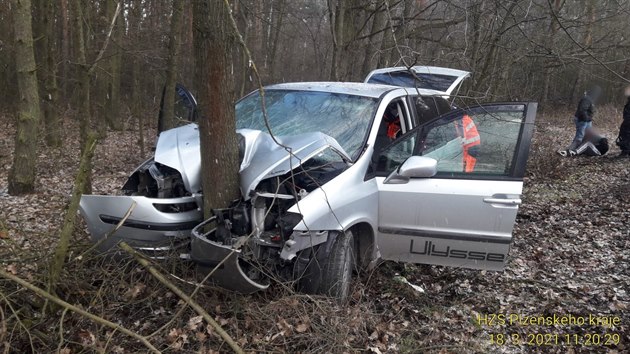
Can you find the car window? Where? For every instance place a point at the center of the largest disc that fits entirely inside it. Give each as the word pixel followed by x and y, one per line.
pixel 481 142
pixel 344 117
pixel 430 107
pixel 395 154
pixel 436 82
pixel 394 123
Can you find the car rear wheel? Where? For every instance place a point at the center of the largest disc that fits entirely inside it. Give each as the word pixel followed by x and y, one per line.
pixel 336 276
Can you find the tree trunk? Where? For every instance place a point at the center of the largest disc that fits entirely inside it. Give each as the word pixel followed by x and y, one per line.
pixel 61 250
pixel 114 119
pixel 336 22
pixel 588 42
pixel 102 78
pixel 65 46
pixel 47 72
pixel 217 129
pixel 168 112
pixel 22 174
pixel 135 22
pixel 275 38
pixel 378 22
pixel 83 87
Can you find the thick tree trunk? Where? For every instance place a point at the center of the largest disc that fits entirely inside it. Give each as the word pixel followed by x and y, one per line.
pixel 168 112
pixel 213 51
pixel 22 174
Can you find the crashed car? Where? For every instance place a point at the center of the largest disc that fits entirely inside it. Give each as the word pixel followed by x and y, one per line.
pixel 356 174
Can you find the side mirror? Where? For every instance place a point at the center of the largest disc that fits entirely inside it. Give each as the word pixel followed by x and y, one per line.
pixel 413 167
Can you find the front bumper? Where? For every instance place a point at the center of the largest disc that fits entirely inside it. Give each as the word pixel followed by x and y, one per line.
pixel 220 259
pixel 146 228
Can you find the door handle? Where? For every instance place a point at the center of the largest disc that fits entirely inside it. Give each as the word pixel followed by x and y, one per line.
pixel 503 201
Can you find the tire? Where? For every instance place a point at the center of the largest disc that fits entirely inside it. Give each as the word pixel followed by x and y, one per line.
pixel 336 276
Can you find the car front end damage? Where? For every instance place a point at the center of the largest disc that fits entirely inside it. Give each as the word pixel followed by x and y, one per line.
pixel 247 243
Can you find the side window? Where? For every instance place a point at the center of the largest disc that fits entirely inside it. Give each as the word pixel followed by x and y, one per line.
pixel 482 141
pixel 430 107
pixel 394 155
pixel 394 123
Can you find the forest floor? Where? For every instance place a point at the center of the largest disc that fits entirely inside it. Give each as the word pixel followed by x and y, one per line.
pixel 569 258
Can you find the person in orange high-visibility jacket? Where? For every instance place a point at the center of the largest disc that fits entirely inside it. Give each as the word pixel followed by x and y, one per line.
pixel 467 130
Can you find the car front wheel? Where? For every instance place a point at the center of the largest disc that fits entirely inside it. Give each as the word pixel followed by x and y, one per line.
pixel 337 270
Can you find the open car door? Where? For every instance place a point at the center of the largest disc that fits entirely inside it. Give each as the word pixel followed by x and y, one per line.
pixel 456 215
pixel 185 107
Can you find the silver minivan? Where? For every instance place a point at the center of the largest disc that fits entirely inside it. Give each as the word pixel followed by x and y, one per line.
pixel 357 172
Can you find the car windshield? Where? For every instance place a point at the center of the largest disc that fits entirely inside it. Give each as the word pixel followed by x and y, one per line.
pixel 344 117
pixel 405 79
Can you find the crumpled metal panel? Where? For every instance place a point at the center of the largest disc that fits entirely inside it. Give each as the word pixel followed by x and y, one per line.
pixel 264 158
pixel 179 148
pixel 222 260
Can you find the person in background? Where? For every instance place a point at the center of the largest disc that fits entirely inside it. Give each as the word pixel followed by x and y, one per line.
pixel 389 129
pixel 467 129
pixel 593 144
pixel 623 139
pixel 583 118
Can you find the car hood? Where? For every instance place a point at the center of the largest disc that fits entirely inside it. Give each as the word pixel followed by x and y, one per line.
pixel 179 148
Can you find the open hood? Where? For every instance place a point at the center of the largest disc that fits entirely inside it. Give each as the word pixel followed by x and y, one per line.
pixel 433 80
pixel 179 148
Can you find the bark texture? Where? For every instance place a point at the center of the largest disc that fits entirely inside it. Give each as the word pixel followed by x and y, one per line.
pixel 114 118
pixel 168 112
pixel 213 57
pixel 83 86
pixel 22 174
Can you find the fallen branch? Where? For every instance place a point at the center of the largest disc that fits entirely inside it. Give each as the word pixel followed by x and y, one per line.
pixel 206 316
pixel 43 293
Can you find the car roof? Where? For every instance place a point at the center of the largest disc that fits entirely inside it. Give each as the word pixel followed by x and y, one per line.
pixel 350 88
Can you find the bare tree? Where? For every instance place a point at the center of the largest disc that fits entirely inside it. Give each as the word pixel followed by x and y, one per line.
pixel 172 67
pixel 22 174
pixel 44 30
pixel 214 44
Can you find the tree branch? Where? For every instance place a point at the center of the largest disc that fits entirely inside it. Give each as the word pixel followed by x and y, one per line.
pixel 217 327
pixel 46 295
pixel 564 29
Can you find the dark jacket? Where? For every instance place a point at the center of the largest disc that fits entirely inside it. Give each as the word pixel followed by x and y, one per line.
pixel 585 109
pixel 623 140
